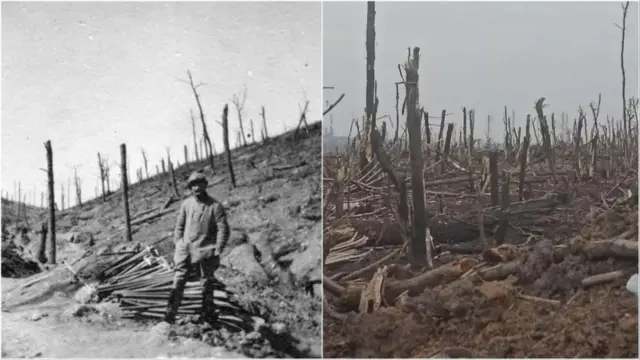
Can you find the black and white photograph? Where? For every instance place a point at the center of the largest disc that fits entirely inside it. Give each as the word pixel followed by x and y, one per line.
pixel 161 179
pixel 480 166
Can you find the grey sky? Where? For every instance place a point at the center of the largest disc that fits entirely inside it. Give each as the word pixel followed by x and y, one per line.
pixel 90 76
pixel 483 56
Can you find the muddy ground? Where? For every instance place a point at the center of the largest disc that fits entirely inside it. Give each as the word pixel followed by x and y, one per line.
pixel 275 217
pixel 541 310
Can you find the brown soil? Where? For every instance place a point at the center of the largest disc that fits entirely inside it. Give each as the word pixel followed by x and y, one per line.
pixel 274 214
pixel 541 310
pixel 490 319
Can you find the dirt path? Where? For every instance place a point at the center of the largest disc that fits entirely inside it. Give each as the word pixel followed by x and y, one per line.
pixel 46 330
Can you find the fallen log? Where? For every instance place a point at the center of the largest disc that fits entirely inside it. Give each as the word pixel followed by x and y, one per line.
pixel 289 167
pixel 601 278
pixel 368 270
pixel 331 312
pixel 169 201
pixel 499 272
pixel 350 296
pixel 143 213
pixel 332 286
pixel 616 247
pixel 151 217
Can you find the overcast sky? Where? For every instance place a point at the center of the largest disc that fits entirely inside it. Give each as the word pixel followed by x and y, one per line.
pixel 90 76
pixel 483 56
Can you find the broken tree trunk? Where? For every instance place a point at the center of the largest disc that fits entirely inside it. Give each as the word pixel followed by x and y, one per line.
pixel 78 184
pixel 447 146
pixel 186 157
pixel 51 253
pixel 546 136
pixel 417 246
pixel 501 232
pixel 225 134
pixel 174 185
pixel 493 171
pixel 125 192
pixel 264 124
pixel 443 116
pixel 253 133
pixel 42 247
pixel 146 169
pixel 523 160
pixel 371 58
pixel 61 198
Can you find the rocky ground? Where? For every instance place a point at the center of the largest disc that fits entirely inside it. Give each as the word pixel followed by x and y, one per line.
pixel 275 217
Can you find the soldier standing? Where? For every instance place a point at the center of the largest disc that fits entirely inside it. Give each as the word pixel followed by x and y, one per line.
pixel 200 235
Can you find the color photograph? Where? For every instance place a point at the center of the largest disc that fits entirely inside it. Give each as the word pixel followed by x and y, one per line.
pixel 480 176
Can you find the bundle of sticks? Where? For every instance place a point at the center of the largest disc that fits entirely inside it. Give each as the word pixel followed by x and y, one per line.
pixel 141 281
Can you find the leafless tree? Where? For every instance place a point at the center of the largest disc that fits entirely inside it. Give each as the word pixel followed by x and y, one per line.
pixel 265 135
pixel 253 133
pixel 623 29
pixel 144 157
pixel 195 141
pixel 238 101
pixel 103 176
pixel 62 197
pixel 194 88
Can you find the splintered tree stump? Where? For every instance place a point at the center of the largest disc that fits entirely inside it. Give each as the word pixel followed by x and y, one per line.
pixel 371 296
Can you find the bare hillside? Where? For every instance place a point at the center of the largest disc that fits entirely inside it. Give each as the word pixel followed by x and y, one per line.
pixel 272 262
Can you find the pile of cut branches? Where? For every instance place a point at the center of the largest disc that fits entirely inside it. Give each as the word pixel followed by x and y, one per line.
pixel 140 281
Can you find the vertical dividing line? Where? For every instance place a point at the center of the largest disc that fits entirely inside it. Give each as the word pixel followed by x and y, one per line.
pixel 322 171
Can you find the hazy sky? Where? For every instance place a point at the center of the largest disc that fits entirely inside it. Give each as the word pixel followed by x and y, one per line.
pixel 90 76
pixel 483 56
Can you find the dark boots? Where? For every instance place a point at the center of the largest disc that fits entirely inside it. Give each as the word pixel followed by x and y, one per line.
pixel 173 305
pixel 208 307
